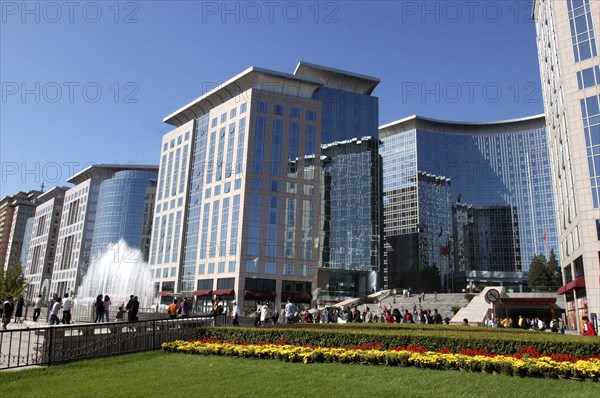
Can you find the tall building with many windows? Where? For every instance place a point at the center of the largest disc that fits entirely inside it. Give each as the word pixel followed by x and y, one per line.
pixel 78 221
pixel 567 42
pixel 243 177
pixel 466 203
pixel 120 213
pixel 42 242
pixel 15 210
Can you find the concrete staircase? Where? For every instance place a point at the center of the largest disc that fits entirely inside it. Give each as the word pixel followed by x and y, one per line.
pixel 443 303
pixel 477 310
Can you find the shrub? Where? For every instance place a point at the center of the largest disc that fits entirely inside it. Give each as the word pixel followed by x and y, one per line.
pixel 434 338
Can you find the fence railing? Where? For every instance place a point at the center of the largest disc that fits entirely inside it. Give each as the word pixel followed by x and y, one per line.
pixel 65 343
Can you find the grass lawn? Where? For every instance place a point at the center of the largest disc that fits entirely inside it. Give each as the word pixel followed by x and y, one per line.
pixel 159 374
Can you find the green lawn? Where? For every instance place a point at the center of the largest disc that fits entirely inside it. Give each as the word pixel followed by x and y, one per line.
pixel 158 374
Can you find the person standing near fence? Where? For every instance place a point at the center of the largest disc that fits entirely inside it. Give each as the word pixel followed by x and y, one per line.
pixel 8 312
pixel 135 308
pixel 235 314
pixel 54 312
pixel 19 310
pixel 99 304
pixel 129 308
pixel 107 303
pixel 67 304
pixel 172 309
pixel 184 308
pixel 37 307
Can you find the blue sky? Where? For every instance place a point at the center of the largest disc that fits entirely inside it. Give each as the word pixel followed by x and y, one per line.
pixel 90 82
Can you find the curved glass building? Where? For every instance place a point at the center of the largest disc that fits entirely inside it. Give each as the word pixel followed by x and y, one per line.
pixel 121 209
pixel 465 203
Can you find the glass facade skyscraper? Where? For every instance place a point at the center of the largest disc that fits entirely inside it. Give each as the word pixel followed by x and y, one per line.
pixel 241 206
pixel 78 221
pixel 120 209
pixel 465 197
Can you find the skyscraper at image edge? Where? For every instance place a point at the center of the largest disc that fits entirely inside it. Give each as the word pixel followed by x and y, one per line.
pixel 472 200
pixel 568 53
pixel 259 180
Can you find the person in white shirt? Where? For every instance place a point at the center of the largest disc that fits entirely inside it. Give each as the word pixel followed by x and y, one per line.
pixel 37 307
pixel 265 314
pixel 235 314
pixel 54 312
pixel 291 312
pixel 67 304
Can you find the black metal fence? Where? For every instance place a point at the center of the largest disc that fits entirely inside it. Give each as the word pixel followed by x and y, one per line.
pixel 65 343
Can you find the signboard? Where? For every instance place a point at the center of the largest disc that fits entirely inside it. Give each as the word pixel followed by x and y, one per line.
pixel 492 296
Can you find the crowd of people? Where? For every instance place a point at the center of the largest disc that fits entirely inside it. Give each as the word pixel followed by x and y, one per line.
pixel 264 315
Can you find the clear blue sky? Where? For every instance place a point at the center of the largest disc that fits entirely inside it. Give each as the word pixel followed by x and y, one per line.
pixel 89 82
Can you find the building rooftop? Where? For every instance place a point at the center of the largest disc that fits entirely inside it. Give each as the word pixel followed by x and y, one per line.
pixel 336 78
pixel 107 170
pixel 52 193
pixel 455 127
pixel 307 78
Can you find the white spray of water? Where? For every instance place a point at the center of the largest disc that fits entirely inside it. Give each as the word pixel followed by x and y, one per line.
pixel 119 272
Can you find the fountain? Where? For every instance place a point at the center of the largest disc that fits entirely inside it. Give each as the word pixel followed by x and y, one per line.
pixel 118 272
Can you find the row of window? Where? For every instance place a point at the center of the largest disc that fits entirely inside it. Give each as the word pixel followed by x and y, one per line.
pixel 278 109
pixel 271 268
pixel 232 113
pixel 582 30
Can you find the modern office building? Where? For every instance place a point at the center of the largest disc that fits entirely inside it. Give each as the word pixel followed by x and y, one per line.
pixel 42 242
pixel 25 247
pixel 120 212
pixel 351 219
pixel 242 183
pixel 78 222
pixel 14 212
pixel 468 203
pixel 570 74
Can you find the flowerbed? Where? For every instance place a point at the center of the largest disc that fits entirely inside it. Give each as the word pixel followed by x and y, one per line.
pixel 432 339
pixel 525 363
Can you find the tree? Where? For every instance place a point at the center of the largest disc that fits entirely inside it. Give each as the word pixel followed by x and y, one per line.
pixel 538 271
pixel 554 271
pixel 12 282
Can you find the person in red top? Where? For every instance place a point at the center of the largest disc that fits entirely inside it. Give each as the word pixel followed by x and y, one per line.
pixel 588 327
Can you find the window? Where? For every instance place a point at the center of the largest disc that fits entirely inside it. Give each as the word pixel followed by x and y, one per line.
pixel 224 117
pixel 205 284
pixel 288 269
pixel 252 266
pixel 213 122
pixel 588 77
pixel 582 29
pixel 311 115
pixel 295 112
pixel 261 106
pixel 226 283
pixel 278 109
pixel 232 113
pixel 270 268
pixel 243 108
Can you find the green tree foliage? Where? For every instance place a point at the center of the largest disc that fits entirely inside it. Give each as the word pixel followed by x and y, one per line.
pixel 12 282
pixel 544 272
pixel 430 279
pixel 538 272
pixel 554 272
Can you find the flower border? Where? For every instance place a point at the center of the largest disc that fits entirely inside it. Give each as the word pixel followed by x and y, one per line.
pixel 527 363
